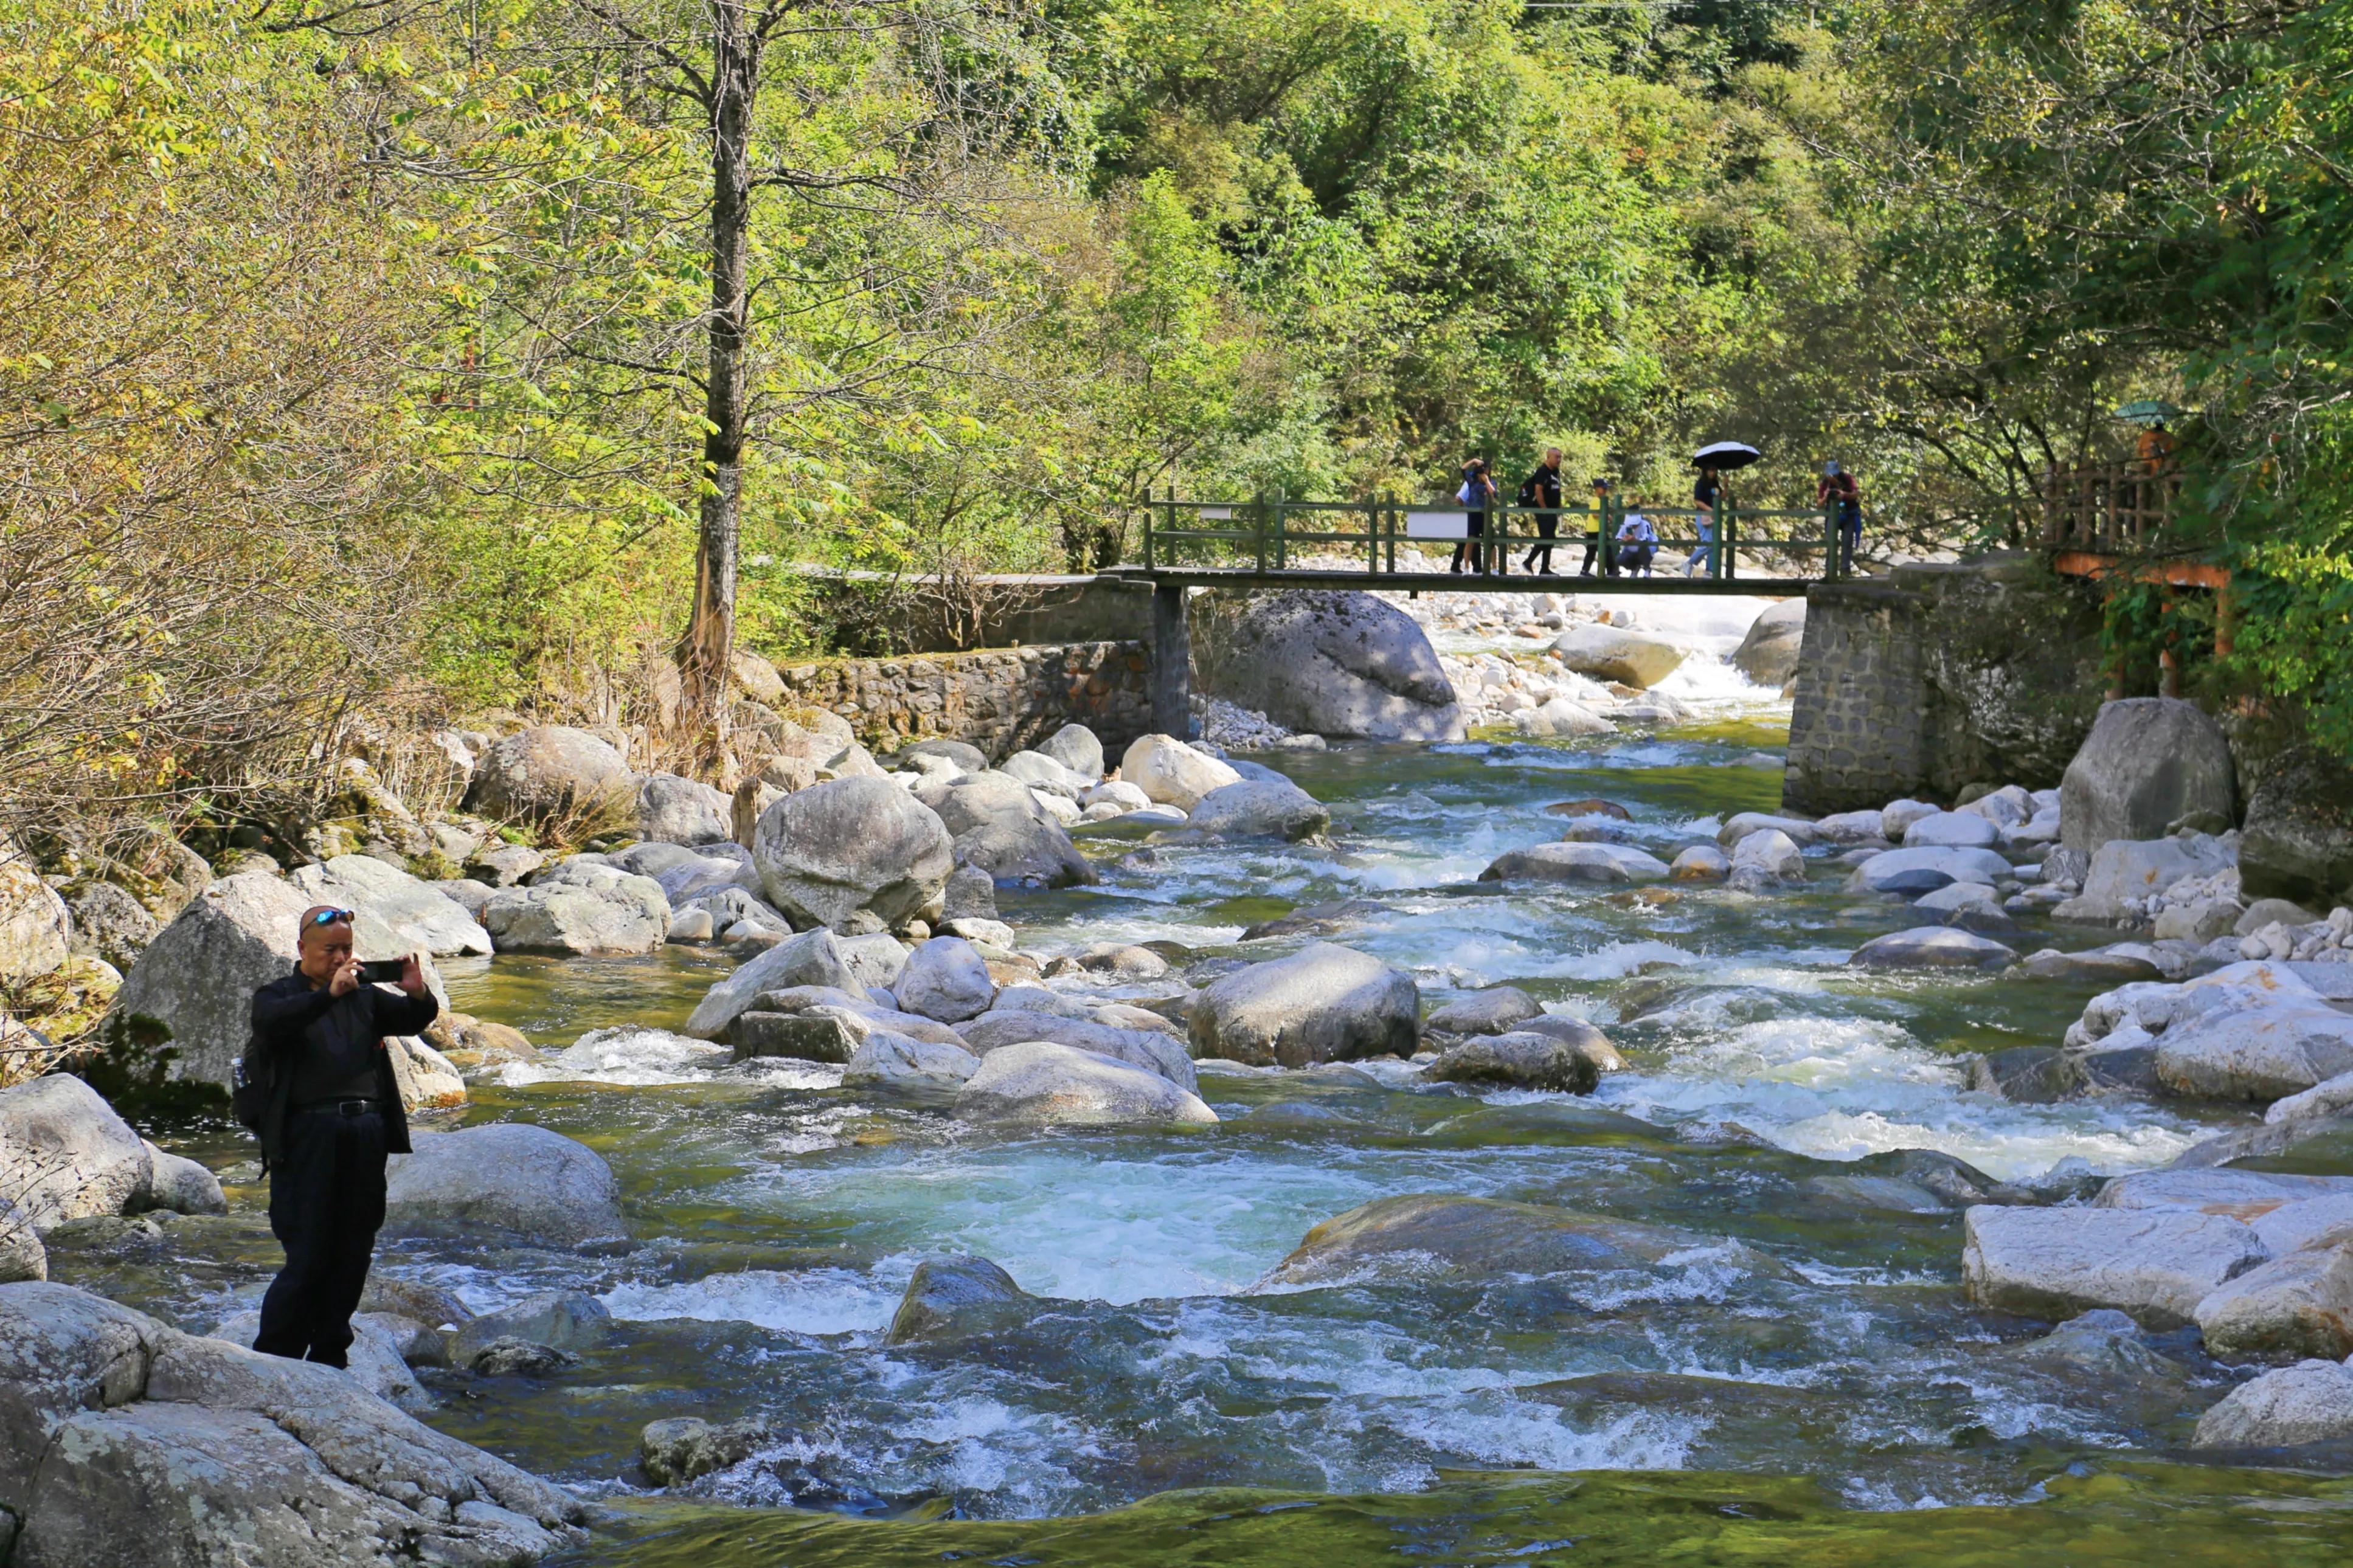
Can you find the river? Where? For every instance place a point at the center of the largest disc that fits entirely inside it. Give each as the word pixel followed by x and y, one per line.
pixel 1847 1405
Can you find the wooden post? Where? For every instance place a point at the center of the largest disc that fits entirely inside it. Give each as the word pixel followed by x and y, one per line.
pixel 1281 552
pixel 1715 565
pixel 1147 524
pixel 1395 520
pixel 1372 537
pixel 1610 507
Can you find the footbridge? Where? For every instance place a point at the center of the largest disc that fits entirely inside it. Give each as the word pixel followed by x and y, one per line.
pixel 1386 546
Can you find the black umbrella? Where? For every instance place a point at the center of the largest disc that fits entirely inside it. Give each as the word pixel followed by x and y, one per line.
pixel 1725 456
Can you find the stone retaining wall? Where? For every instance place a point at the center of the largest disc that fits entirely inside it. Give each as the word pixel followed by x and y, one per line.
pixel 1941 675
pixel 1000 700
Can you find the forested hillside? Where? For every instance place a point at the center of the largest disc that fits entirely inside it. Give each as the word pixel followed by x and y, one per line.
pixel 358 355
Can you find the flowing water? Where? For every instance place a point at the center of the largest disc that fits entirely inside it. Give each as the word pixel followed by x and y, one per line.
pixel 1842 1403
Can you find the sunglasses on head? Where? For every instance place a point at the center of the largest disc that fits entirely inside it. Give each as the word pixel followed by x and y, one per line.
pixel 334 918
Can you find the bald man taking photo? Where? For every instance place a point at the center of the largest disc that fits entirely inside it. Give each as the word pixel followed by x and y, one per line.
pixel 332 1114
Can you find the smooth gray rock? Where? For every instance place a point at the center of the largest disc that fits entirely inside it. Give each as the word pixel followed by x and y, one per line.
pixel 2155 1264
pixel 1041 772
pixel 675 810
pixel 1615 653
pixel 1700 863
pixel 1518 1060
pixel 1258 808
pixel 546 772
pixel 956 1298
pixel 193 988
pixel 1147 1048
pixel 1770 856
pixel 418 913
pixel 970 895
pixel 1952 830
pixel 127 1444
pixel 876 959
pixel 1076 748
pixel 2150 765
pixel 376 1362
pixel 579 908
pixel 1325 1002
pixel 890 1060
pixel 1334 664
pixel 1495 1011
pixel 813 958
pixel 1037 1083
pixel 65 1154
pixel 1768 655
pixel 946 980
pixel 2311 1402
pixel 502 865
pixel 1000 827
pixel 1933 947
pixel 2124 871
pixel 683 1448
pixel 1171 772
pixel 849 845
pixel 1925 870
pixel 509 1176
pixel 2297 1305
pixel 174 1183
pixel 2277 1046
pixel 1611 864
pixel 35 928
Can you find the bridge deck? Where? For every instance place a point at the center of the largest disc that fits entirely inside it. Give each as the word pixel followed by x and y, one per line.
pixel 1444 582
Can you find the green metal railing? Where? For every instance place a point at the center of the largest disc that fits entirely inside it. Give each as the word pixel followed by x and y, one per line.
pixel 1258 535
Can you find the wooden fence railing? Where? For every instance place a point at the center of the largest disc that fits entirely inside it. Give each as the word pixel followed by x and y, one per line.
pixel 2109 508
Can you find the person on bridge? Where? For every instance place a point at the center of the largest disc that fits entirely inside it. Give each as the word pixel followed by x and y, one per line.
pixel 2154 448
pixel 1478 493
pixel 1705 549
pixel 1708 494
pixel 1541 490
pixel 1838 486
pixel 1638 541
pixel 1593 534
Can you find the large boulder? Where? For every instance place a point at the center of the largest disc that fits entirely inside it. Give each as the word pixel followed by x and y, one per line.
pixel 576 908
pixel 65 1154
pixel 956 1298
pixel 188 1002
pixel 2155 1264
pixel 1768 653
pixel 1614 653
pixel 1076 748
pixel 1260 808
pixel 373 1361
pixel 1482 1237
pixel 127 1444
pixel 1614 864
pixel 1325 1002
pixel 2279 1045
pixel 998 826
pixel 675 810
pixel 2297 842
pixel 108 924
pixel 2297 1305
pixel 1172 773
pixel 2150 765
pixel 813 958
pixel 418 913
pixel 512 1177
pixel 1339 664
pixel 888 1060
pixel 2311 1402
pixel 828 851
pixel 1150 1049
pixel 1038 1083
pixel 549 771
pixel 35 927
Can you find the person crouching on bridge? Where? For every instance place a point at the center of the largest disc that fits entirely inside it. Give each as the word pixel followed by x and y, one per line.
pixel 1838 486
pixel 334 1113
pixel 1638 541
pixel 1542 490
pixel 1478 493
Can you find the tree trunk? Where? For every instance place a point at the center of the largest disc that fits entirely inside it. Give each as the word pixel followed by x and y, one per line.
pixel 710 633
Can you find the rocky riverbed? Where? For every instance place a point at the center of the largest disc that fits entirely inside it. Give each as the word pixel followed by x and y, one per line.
pixel 1518 1105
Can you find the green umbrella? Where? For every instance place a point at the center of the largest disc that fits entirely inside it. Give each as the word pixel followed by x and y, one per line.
pixel 2147 410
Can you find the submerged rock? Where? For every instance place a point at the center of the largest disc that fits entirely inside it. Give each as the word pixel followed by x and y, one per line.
pixel 1443 1233
pixel 1605 863
pixel 682 1448
pixel 1933 947
pixel 1521 1060
pixel 1322 1004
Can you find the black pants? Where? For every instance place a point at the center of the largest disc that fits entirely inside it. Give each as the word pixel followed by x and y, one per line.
pixel 1592 549
pixel 326 1201
pixel 1850 537
pixel 1470 549
pixel 1547 525
pixel 1635 557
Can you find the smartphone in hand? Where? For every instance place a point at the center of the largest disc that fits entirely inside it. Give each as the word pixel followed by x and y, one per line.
pixel 383 971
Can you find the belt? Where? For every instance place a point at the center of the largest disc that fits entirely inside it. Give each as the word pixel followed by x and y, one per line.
pixel 341 1107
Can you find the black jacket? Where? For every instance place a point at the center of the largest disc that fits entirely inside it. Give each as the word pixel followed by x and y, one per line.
pixel 290 1014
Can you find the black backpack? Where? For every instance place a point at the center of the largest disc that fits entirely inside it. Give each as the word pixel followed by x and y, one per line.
pixel 1527 496
pixel 252 1085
